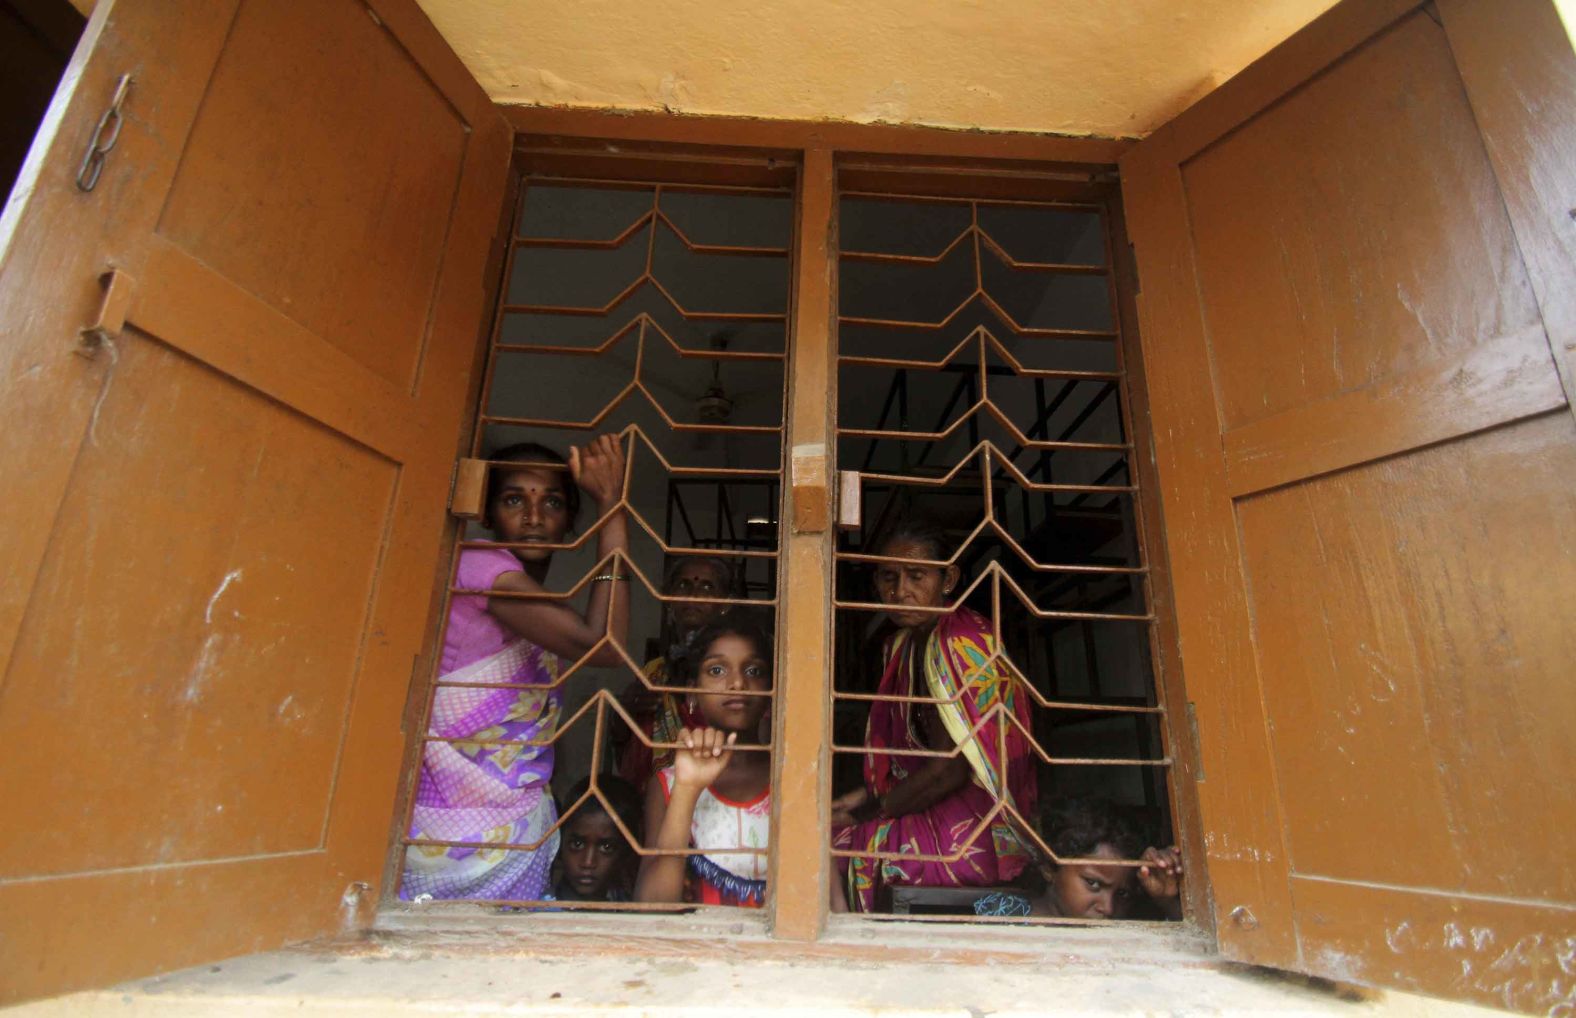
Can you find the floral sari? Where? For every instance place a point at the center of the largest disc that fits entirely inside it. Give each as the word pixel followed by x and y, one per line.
pixel 956 655
pixel 470 791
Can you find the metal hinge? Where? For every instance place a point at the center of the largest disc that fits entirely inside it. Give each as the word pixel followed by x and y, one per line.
pixel 111 317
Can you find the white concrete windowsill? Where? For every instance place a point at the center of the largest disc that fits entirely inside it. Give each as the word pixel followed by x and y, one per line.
pixel 445 960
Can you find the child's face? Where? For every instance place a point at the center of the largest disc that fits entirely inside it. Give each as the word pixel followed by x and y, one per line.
pixel 529 504
pixel 732 666
pixel 592 851
pixel 1091 891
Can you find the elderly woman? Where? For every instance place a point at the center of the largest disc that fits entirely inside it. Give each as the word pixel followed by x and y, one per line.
pixel 928 805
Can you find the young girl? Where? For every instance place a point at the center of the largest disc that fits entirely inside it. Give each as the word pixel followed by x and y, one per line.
pixel 493 788
pixel 594 859
pixel 1097 829
pixel 712 798
pixel 661 716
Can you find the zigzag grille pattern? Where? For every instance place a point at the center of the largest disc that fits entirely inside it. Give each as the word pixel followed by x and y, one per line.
pixel 993 475
pixel 603 712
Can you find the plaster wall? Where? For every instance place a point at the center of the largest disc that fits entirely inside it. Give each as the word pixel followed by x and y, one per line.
pixel 1062 66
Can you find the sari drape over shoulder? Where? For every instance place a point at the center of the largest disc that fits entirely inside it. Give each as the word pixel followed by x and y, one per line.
pixel 469 790
pixel 955 663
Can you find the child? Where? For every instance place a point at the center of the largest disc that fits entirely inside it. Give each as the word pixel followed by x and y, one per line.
pixel 1097 829
pixel 712 798
pixel 661 716
pixel 593 856
pixel 481 778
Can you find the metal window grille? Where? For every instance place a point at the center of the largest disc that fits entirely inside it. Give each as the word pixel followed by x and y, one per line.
pixel 982 382
pixel 657 311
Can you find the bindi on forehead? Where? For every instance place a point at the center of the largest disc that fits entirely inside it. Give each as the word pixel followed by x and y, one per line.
pixel 699 571
pixel 533 480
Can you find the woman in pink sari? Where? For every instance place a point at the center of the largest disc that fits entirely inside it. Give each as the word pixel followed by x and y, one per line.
pixel 472 788
pixel 936 806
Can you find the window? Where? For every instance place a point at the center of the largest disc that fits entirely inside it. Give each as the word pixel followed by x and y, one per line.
pixel 983 420
pixel 655 312
pixel 979 385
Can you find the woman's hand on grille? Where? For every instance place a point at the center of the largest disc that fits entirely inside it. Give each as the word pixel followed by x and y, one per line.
pixel 598 468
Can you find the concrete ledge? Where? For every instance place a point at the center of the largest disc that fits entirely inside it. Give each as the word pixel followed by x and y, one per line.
pixel 441 961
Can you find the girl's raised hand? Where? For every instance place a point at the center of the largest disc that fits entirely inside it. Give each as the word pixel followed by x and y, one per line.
pixel 704 756
pixel 1161 879
pixel 599 469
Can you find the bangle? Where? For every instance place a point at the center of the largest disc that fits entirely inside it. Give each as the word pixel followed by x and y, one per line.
pixel 610 576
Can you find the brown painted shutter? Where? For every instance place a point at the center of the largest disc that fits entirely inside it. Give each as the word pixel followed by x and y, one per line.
pixel 1356 267
pixel 220 530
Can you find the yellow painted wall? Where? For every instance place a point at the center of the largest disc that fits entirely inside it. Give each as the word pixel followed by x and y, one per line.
pixel 1105 67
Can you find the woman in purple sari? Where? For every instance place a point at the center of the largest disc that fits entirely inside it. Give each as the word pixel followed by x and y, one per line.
pixel 473 789
pixel 925 805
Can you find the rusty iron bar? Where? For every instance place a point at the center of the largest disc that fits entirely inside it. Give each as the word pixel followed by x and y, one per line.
pixel 553 905
pixel 991 523
pixel 985 340
pixel 641 320
pixel 1001 657
pixel 993 571
pixel 646 220
pixel 985 449
pixel 1007 920
pixel 941 199
pixel 531 846
pixel 1109 708
pixel 552 180
pixel 1004 720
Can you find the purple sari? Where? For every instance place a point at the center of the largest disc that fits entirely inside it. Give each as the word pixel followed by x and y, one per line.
pixel 473 792
pixel 956 655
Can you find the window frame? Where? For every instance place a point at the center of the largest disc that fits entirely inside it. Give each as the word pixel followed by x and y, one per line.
pixel 830 158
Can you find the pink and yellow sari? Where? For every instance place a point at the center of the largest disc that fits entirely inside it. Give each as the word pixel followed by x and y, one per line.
pixel 956 656
pixel 470 791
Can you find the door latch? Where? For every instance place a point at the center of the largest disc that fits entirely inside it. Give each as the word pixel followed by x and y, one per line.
pixel 105 135
pixel 111 316
pixel 467 499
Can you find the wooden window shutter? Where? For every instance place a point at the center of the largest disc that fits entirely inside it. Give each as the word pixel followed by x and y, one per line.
pixel 221 527
pixel 1356 320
